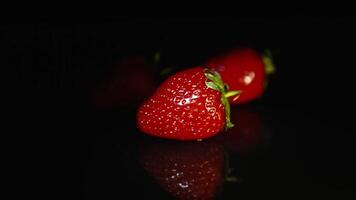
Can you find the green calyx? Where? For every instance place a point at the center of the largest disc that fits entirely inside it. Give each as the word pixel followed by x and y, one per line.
pixel 267 60
pixel 215 82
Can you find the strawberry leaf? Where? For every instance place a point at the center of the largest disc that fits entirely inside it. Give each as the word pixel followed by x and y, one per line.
pixel 212 85
pixel 215 82
pixel 232 93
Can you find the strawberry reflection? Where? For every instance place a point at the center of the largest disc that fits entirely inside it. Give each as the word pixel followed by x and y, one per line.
pixel 185 170
pixel 129 82
pixel 246 135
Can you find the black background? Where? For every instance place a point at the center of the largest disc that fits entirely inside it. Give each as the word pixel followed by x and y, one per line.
pixel 310 98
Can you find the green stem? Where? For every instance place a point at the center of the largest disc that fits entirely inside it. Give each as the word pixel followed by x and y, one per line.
pixel 215 82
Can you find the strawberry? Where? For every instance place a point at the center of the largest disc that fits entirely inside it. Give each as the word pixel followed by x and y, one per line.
pixel 129 82
pixel 243 69
pixel 185 170
pixel 189 105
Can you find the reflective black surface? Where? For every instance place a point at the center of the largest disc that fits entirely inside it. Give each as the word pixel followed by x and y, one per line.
pixel 275 155
pixel 298 140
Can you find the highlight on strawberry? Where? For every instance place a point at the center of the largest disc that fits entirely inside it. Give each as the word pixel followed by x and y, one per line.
pixel 244 69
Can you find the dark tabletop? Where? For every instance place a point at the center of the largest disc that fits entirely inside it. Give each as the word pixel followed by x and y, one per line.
pixel 297 140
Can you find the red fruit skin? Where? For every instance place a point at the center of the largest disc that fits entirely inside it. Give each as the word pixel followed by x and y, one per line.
pixel 185 170
pixel 246 135
pixel 242 69
pixel 129 83
pixel 183 108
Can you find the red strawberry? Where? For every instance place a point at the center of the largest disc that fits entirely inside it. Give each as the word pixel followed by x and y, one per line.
pixel 190 105
pixel 129 82
pixel 247 135
pixel 243 69
pixel 185 170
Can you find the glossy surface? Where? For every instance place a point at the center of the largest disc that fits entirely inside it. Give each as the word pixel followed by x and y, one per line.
pixel 64 148
pixel 247 134
pixel 185 170
pixel 273 156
